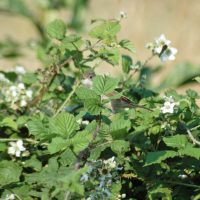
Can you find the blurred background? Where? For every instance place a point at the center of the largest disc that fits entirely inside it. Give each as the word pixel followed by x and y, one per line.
pixel 22 23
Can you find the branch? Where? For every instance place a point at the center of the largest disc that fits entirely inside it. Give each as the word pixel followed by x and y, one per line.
pixel 194 141
pixel 67 99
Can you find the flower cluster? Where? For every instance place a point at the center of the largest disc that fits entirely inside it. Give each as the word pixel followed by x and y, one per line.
pixel 169 105
pixel 16 148
pixel 10 197
pixel 161 47
pixel 110 163
pixel 3 79
pixel 105 173
pixel 17 95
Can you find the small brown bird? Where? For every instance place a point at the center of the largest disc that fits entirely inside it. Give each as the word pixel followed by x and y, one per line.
pixel 118 104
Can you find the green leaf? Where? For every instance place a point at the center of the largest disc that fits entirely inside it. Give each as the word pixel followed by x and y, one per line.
pixel 81 140
pixel 86 93
pixel 110 55
pixel 67 158
pixel 64 124
pixel 34 163
pixel 38 129
pixel 176 141
pixel 9 172
pixel 56 29
pixel 160 192
pixel 119 128
pixel 126 64
pixel 71 43
pixel 105 30
pixel 8 122
pixel 126 44
pixel 93 106
pixel 158 156
pixel 197 79
pixel 190 151
pixel 57 144
pixel 104 84
pixel 29 78
pixel 120 146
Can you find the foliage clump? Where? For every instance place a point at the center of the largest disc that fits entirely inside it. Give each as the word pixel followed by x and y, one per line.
pixel 69 133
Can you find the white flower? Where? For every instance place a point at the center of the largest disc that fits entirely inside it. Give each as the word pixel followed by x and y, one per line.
pixel 23 103
pixel 20 70
pixel 85 122
pixel 168 107
pixel 29 94
pixel 110 163
pixel 122 15
pixel 162 48
pixel 123 196
pixel 182 176
pixel 21 86
pixel 16 148
pixel 168 54
pixel 87 82
pixel 10 197
pixel 3 78
pixel 160 42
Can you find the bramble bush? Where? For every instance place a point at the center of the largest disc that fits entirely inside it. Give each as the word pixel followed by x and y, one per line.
pixel 69 133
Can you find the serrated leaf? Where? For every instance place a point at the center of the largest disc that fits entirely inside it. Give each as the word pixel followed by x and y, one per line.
pixel 105 30
pixel 38 129
pixel 34 163
pixel 67 157
pixel 104 84
pixel 57 144
pixel 56 29
pixel 86 93
pixel 64 124
pixel 119 128
pixel 81 140
pixel 9 172
pixel 176 141
pixel 8 122
pixel 71 43
pixel 110 55
pixel 93 106
pixel 126 44
pixel 158 156
pixel 120 146
pixel 190 151
pixel 126 63
pixel 96 152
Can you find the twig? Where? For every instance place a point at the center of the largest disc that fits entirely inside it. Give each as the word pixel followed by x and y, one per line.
pixel 67 99
pixel 194 141
pixel 45 87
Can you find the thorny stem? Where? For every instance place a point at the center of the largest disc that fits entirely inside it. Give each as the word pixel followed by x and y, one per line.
pixel 67 99
pixel 45 87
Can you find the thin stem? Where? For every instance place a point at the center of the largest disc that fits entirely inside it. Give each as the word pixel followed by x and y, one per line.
pixel 183 184
pixel 24 139
pixel 67 99
pixel 195 141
